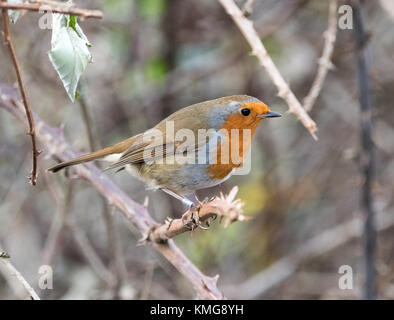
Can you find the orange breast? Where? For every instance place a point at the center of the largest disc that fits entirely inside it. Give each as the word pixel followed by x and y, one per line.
pixel 232 151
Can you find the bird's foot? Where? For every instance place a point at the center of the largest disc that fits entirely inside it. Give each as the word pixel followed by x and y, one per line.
pixel 191 219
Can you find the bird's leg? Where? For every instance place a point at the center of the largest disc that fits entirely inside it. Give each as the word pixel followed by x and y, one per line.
pixel 193 197
pixel 188 203
pixel 193 209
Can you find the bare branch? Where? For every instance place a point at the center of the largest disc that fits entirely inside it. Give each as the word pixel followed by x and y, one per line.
pixel 224 206
pixel 258 50
pixel 25 100
pixel 325 60
pixel 11 273
pixel 367 146
pixel 147 281
pixel 137 214
pixel 89 253
pixel 57 225
pixel 54 7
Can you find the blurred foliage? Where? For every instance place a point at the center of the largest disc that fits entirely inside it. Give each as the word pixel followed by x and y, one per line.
pixel 152 57
pixel 152 9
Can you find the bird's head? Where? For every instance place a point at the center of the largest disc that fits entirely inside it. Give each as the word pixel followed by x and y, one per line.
pixel 240 112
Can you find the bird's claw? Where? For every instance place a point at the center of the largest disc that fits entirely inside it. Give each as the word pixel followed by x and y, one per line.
pixel 168 222
pixel 191 219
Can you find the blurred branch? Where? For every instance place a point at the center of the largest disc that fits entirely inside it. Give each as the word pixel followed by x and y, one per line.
pixel 319 245
pixel 137 214
pixel 367 149
pixel 325 60
pixel 147 281
pixel 54 7
pixel 32 132
pixel 57 225
pixel 114 247
pixel 89 253
pixel 11 273
pixel 388 6
pixel 258 50
pixel 248 7
pixel 90 129
pixel 224 207
pixel 63 219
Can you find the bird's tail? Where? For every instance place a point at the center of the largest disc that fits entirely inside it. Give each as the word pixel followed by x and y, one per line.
pixel 115 149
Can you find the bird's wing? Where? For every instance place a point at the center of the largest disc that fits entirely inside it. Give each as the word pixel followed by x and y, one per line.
pixel 153 145
pixel 142 153
pixel 148 153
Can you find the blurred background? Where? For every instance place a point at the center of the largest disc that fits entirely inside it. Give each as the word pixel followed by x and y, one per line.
pixel 152 57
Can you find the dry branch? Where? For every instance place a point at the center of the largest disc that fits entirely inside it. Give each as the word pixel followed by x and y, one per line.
pixel 137 214
pixel 11 274
pixel 25 100
pixel 224 206
pixel 246 27
pixel 325 60
pixel 54 7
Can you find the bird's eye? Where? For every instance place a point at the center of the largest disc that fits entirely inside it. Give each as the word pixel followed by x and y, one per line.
pixel 245 112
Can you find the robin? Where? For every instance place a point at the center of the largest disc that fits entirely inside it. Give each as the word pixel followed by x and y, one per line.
pixel 197 147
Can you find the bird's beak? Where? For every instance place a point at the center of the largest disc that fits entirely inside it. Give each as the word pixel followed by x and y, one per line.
pixel 270 114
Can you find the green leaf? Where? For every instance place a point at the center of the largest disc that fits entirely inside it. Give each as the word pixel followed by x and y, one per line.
pixel 69 54
pixel 73 22
pixel 14 14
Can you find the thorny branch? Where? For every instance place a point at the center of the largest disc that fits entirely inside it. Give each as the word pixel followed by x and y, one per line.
pixel 249 32
pixel 224 206
pixel 325 63
pixel 25 100
pixel 137 214
pixel 54 7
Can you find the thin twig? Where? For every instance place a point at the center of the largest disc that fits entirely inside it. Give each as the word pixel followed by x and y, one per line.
pixel 325 63
pixel 258 50
pixel 57 226
pixel 94 143
pixel 367 147
pixel 205 287
pixel 54 7
pixel 11 273
pixel 89 253
pixel 147 281
pixel 32 132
